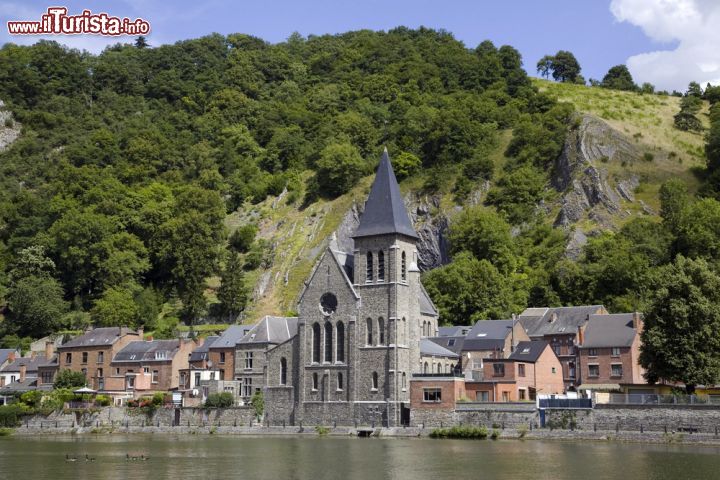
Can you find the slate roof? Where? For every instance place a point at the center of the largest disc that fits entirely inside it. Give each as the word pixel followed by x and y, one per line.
pixel 568 319
pixel 31 364
pixel 385 211
pixel 528 351
pixel 454 331
pixel 426 305
pixel 614 330
pixel 231 336
pixel 98 336
pixel 487 335
pixel 17 387
pixel 273 330
pixel 144 351
pixel 5 353
pixel 454 344
pixel 201 352
pixel 429 348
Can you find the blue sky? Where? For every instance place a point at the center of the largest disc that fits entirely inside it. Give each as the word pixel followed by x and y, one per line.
pixel 601 33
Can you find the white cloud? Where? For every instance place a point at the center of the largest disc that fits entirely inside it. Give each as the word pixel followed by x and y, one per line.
pixel 693 24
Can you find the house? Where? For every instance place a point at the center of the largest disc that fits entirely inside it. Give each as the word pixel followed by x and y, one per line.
pixel 92 352
pixel 361 315
pixel 143 367
pixel 560 327
pixel 436 392
pixel 251 350
pixel 489 339
pixel 532 369
pixel 21 368
pixel 437 359
pixel 610 354
pixel 451 338
pixel 221 353
pixel 193 380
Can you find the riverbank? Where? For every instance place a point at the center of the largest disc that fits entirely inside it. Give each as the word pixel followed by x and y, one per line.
pixel 680 438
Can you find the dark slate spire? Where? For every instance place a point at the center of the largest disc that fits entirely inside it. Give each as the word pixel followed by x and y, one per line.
pixel 385 210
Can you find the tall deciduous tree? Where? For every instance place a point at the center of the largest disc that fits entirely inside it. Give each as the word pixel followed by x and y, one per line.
pixel 618 78
pixel 233 293
pixel 681 337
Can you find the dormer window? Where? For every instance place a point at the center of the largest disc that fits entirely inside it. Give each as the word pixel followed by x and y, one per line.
pixel 160 355
pixel 482 334
pixel 369 267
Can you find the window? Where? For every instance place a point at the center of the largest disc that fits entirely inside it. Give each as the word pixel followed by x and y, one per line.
pixel 553 370
pixel 593 370
pixel 130 381
pixel 155 376
pixel 505 396
pixel 84 357
pixel 616 351
pixel 432 395
pixel 247 389
pixel 374 386
pixel 521 370
pixel 404 381
pixel 381 266
pixel 328 303
pixel 248 360
pixel 369 268
pixel 521 394
pixel 340 354
pixel 498 369
pixel 425 368
pixel 369 325
pixel 328 342
pixel 84 372
pixel 197 379
pixel 117 371
pixel 283 371
pixel 212 375
pixel 592 352
pixel 571 370
pixel 381 331
pixel 316 342
pixel 616 370
pixel 403 267
pixel 47 377
pixel 222 357
pixel 451 342
pixel 482 396
pixel 438 368
pixel 315 382
pixel 68 357
pixel 101 357
pixel 557 349
pixel 340 381
pixel 160 355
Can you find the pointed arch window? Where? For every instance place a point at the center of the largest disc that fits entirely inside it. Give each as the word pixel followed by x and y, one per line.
pixel 315 381
pixel 369 267
pixel 381 266
pixel 283 371
pixel 381 331
pixel 316 342
pixel 403 266
pixel 328 342
pixel 340 384
pixel 340 339
pixel 425 368
pixel 369 324
pixel 374 381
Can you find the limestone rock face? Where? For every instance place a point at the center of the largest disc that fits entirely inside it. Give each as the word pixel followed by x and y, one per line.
pixel 581 174
pixel 9 129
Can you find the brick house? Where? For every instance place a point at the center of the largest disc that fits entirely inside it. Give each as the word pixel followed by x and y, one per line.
pixel 144 367
pixel 221 354
pixel 610 352
pixel 251 352
pixel 532 369
pixel 560 328
pixel 436 392
pixel 92 352
pixel 489 339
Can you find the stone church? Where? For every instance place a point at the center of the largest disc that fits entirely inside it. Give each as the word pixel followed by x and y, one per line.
pixel 362 315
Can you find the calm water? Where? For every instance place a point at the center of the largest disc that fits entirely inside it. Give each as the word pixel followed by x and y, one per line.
pixel 211 457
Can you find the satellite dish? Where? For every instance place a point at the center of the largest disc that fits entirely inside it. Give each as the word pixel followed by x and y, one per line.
pixel 210 363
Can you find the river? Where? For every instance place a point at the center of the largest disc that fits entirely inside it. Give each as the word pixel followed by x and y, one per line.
pixel 272 458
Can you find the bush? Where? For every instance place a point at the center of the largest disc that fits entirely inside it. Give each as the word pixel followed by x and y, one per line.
pixel 11 415
pixel 405 165
pixel 258 403
pixel 102 401
pixel 242 238
pixel 648 157
pixel 32 398
pixel 69 379
pixel 219 400
pixel 460 432
pixel 6 432
pixel 158 399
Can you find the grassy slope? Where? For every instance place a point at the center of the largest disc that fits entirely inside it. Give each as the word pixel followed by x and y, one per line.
pixel 648 119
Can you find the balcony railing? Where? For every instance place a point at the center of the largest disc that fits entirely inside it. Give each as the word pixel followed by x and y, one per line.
pixel 653 399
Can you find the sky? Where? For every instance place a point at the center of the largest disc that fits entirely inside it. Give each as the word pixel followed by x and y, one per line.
pixel 665 42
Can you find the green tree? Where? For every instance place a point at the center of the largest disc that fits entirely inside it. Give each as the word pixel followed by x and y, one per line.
pixel 486 235
pixel 116 307
pixel 35 305
pixel 681 337
pixel 619 78
pixel 339 169
pixel 233 293
pixel 69 379
pixel 405 165
pixel 243 237
pixel 563 66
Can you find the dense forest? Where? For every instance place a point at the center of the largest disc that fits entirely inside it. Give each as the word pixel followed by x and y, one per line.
pixel 113 198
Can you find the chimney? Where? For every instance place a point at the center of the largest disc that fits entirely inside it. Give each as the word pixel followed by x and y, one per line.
pixel 580 335
pixel 23 371
pixel 141 332
pixel 33 354
pixel 637 322
pixel 11 357
pixel 49 350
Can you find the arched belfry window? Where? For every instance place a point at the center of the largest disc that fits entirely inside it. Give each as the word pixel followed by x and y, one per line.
pixel 381 266
pixel 403 264
pixel 381 331
pixel 328 341
pixel 374 381
pixel 340 339
pixel 283 371
pixel 369 267
pixel 316 342
pixel 369 324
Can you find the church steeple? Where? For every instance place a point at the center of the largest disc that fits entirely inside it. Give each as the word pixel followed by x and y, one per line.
pixel 385 211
